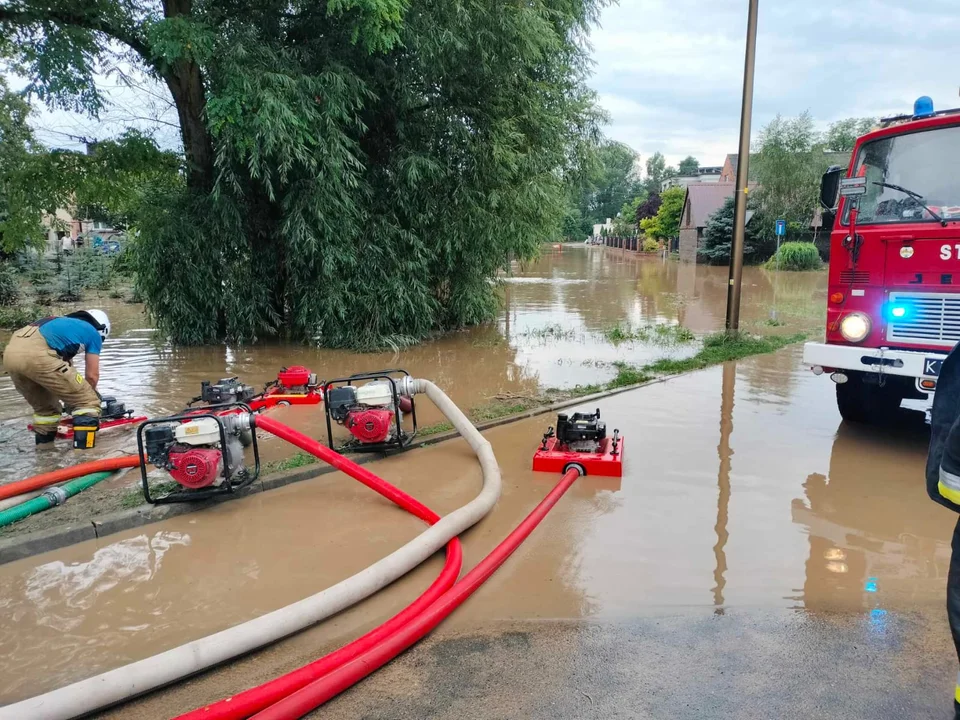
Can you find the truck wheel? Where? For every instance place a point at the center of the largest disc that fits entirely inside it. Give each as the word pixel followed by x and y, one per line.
pixel 861 402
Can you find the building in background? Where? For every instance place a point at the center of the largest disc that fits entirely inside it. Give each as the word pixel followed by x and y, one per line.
pixel 709 174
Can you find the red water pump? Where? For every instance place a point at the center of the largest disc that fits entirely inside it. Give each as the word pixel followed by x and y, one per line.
pixel 580 440
pixel 195 468
pixel 372 407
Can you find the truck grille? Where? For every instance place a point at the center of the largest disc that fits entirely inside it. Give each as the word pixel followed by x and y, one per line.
pixel 855 277
pixel 931 319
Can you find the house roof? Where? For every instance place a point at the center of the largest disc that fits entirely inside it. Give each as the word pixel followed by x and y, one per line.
pixel 702 201
pixel 734 159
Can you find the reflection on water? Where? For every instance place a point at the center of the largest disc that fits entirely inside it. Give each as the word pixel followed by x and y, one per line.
pixel 578 292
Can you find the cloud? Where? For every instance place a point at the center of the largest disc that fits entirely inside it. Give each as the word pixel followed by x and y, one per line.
pixel 670 72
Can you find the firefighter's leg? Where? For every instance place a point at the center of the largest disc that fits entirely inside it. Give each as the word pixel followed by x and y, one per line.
pixel 953 607
pixel 84 403
pixel 46 407
pixel 25 353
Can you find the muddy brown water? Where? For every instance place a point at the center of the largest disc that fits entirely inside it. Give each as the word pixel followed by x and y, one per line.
pixel 741 489
pixel 549 334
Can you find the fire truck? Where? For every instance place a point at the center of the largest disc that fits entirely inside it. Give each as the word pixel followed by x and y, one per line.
pixel 893 299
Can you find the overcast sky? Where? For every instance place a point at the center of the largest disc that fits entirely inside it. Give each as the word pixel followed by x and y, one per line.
pixel 670 72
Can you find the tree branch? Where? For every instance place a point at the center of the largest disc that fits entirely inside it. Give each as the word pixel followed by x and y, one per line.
pixel 79 19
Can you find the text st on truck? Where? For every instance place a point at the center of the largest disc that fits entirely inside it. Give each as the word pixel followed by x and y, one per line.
pixel 893 299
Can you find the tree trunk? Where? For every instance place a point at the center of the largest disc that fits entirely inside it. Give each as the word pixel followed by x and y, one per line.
pixel 186 86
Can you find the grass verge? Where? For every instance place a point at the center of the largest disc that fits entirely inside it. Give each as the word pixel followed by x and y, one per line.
pixel 657 334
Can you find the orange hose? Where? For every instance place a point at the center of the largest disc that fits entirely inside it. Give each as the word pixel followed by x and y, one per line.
pixel 69 473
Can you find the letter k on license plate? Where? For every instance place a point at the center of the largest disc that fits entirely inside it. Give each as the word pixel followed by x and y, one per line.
pixel 931 366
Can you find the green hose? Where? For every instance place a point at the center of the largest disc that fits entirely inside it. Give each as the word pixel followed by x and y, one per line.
pixel 51 497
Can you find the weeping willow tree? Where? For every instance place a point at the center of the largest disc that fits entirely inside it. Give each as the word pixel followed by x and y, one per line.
pixel 357 171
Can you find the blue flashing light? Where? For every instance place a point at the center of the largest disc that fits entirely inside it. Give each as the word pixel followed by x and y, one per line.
pixel 923 107
pixel 898 311
pixel 870 585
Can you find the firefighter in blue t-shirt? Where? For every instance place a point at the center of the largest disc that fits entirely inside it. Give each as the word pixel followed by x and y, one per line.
pixel 38 359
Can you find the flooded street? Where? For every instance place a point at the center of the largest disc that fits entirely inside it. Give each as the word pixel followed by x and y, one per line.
pixel 759 558
pixel 550 334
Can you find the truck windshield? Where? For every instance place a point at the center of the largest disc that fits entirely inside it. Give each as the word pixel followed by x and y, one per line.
pixel 924 162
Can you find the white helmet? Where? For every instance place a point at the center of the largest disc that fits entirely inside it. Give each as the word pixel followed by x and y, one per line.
pixel 97 318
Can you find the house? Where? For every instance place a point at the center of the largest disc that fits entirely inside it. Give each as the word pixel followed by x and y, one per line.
pixel 728 173
pixel 702 200
pixel 704 175
pixel 600 227
pixel 65 232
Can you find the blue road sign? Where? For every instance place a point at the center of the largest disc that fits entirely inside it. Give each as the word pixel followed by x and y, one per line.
pixel 781 228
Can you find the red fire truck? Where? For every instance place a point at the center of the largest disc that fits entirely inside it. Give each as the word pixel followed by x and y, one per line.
pixel 893 305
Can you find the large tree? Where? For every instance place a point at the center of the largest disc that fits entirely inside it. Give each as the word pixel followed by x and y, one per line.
pixel 615 180
pixel 842 134
pixel 657 172
pixel 688 166
pixel 789 162
pixel 666 223
pixel 357 170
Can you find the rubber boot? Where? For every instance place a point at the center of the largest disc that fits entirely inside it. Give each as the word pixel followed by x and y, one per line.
pixel 85 431
pixel 45 438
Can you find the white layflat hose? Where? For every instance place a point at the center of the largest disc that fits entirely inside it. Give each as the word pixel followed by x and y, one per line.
pixel 167 667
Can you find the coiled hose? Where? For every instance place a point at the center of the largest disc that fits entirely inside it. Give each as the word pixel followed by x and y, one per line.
pixel 136 678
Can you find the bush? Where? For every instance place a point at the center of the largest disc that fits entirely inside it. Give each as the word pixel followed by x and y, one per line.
pixel 650 245
pixel 9 285
pixel 718 235
pixel 795 256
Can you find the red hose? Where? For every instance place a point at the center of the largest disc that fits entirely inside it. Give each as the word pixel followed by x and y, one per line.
pixel 69 473
pixel 320 691
pixel 255 699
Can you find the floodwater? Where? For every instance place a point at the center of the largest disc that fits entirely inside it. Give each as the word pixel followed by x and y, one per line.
pixel 549 334
pixel 742 490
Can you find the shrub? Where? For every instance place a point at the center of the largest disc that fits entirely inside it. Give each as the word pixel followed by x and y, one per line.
pixel 795 256
pixel 650 245
pixel 9 285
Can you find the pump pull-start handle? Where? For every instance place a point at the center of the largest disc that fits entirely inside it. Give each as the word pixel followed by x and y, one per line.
pixel 546 436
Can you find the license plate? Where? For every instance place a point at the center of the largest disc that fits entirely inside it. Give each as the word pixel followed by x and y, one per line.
pixel 931 366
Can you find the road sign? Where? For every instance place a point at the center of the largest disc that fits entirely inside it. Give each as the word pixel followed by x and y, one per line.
pixel 850 187
pixel 781 228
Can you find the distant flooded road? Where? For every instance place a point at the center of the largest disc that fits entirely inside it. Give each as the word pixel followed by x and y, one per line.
pixel 550 334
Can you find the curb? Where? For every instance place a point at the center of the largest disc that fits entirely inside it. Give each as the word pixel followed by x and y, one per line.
pixel 23 546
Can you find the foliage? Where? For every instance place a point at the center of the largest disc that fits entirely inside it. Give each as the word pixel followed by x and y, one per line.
pixel 795 256
pixel 661 334
pixel 649 207
pixel 666 223
pixel 688 166
pixel 9 285
pixel 14 317
pixel 718 236
pixel 842 135
pixel 627 375
pixel 650 245
pixel 789 163
pixel 612 182
pixel 625 224
pixel 356 172
pixel 657 172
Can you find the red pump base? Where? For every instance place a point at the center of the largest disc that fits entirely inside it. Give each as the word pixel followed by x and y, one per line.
pixel 65 428
pixel 552 458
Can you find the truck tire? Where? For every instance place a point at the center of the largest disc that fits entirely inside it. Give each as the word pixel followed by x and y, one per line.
pixel 862 402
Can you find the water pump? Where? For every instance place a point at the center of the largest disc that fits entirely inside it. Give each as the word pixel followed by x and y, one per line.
pixel 203 452
pixel 372 411
pixel 580 440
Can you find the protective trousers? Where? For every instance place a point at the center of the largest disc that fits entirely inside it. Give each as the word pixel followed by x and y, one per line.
pixel 45 379
pixel 953 607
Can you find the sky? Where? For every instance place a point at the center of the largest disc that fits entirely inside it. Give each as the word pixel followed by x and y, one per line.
pixel 670 72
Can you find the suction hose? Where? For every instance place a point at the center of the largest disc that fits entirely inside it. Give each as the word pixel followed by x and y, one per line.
pixel 139 677
pixel 69 473
pixel 51 498
pixel 320 691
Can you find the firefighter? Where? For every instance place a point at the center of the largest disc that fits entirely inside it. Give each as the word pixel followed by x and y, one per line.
pixel 943 481
pixel 39 360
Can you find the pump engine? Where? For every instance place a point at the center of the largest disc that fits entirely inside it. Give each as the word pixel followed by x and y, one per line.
pixel 200 452
pixel 225 390
pixel 372 412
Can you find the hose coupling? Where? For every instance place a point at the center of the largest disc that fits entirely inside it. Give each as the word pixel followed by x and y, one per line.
pixel 56 495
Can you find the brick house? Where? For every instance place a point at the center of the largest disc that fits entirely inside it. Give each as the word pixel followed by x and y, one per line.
pixel 728 173
pixel 701 201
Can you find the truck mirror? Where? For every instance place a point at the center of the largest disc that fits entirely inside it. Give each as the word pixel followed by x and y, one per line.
pixel 830 187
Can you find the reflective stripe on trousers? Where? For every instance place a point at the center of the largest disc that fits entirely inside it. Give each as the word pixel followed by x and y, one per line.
pixel 949 486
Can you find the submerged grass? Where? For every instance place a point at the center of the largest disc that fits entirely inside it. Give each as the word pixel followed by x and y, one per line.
pixel 658 334
pixel 721 347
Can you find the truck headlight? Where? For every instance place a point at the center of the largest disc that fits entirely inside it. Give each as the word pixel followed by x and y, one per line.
pixel 855 327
